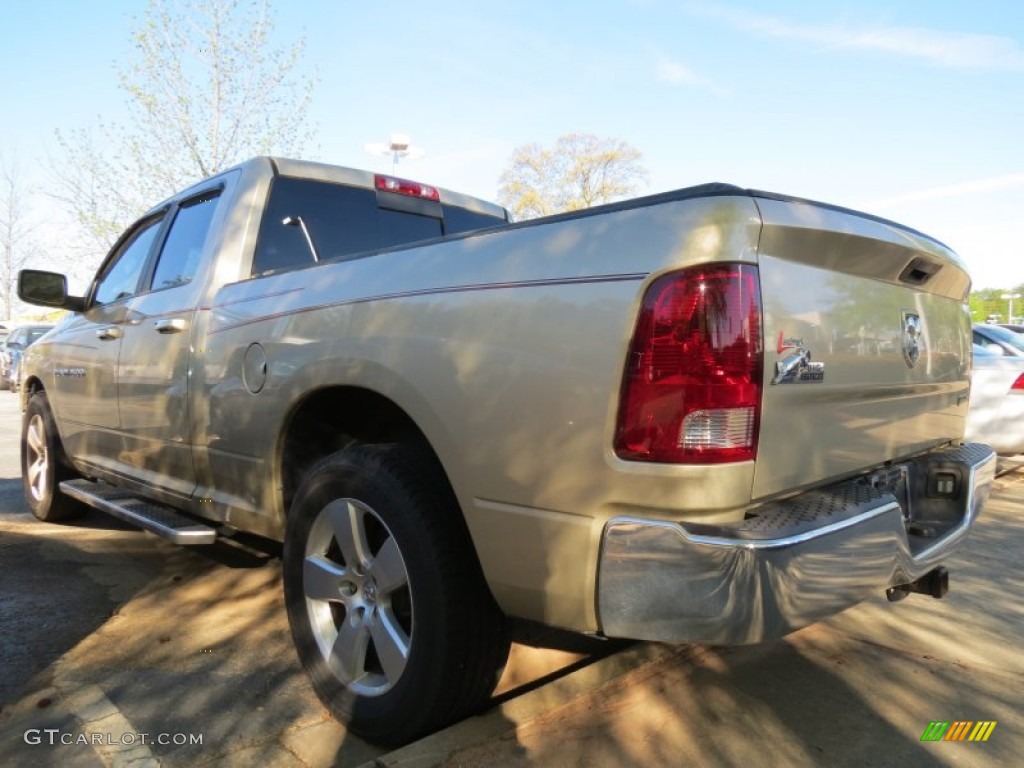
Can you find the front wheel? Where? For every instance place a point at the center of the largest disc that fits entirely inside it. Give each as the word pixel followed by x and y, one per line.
pixel 43 465
pixel 388 609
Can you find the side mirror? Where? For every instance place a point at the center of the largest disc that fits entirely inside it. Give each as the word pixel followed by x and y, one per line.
pixel 47 289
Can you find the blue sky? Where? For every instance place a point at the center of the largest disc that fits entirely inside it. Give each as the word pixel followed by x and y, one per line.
pixel 913 111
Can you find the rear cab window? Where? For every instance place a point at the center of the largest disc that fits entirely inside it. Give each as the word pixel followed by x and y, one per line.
pixel 344 222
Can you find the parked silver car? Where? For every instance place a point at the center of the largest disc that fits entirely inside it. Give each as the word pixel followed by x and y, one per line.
pixel 996 413
pixel 19 339
pixel 999 340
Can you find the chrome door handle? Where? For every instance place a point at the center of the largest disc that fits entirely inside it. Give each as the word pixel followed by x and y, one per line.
pixel 170 325
pixel 109 334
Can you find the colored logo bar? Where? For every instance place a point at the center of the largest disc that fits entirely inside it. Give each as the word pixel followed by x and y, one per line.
pixel 958 730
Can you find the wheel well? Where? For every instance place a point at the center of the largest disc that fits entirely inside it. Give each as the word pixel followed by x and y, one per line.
pixel 31 386
pixel 330 419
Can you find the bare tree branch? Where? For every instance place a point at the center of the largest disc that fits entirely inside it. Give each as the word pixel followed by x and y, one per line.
pixel 205 89
pixel 17 240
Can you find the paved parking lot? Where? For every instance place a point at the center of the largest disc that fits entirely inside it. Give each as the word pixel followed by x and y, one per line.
pixel 108 632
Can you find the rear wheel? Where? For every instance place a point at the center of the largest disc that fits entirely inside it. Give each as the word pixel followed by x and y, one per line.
pixel 44 466
pixel 388 609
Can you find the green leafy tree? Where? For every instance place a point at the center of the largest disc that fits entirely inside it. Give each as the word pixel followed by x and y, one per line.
pixel 990 302
pixel 205 89
pixel 579 171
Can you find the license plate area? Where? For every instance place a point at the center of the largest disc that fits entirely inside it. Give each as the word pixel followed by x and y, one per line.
pixel 932 494
pixel 896 479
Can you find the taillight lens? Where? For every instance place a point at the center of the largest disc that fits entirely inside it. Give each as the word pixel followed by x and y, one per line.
pixel 692 387
pixel 406 187
pixel 1018 385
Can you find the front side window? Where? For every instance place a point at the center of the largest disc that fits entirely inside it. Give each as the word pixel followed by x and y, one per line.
pixel 183 247
pixel 121 278
pixel 1006 338
pixel 1007 343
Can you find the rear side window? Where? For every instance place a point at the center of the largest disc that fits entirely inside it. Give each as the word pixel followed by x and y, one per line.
pixel 183 246
pixel 343 222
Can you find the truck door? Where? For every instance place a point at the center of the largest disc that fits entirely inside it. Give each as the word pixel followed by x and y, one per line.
pixel 153 369
pixel 85 351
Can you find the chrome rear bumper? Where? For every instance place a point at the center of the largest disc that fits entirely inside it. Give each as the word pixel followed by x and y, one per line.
pixel 795 562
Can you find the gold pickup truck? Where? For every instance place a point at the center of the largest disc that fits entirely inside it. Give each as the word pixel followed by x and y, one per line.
pixel 714 415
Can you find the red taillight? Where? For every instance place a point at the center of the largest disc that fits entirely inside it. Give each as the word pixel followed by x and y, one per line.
pixel 1018 385
pixel 692 387
pixel 403 187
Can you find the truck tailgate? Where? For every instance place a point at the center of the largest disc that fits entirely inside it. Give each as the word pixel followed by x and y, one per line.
pixel 867 344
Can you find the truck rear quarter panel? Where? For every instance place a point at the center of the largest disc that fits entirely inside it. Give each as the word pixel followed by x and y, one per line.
pixel 506 348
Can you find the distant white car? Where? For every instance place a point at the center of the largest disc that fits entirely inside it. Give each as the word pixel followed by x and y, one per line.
pixel 995 338
pixel 996 413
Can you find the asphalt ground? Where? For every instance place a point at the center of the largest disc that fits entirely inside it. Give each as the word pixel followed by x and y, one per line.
pixel 107 633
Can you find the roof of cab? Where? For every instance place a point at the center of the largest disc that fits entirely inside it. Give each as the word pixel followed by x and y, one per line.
pixel 337 174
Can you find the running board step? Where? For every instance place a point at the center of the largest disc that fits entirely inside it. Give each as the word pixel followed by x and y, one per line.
pixel 122 504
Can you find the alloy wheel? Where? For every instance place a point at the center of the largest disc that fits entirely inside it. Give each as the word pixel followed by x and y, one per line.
pixel 358 598
pixel 38 460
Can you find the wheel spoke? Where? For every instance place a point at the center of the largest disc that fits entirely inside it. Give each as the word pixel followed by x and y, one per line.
pixel 387 569
pixel 358 596
pixel 322 578
pixel 348 654
pixel 348 524
pixel 34 470
pixel 35 439
pixel 391 644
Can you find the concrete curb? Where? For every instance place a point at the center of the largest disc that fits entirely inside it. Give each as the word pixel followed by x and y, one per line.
pixel 437 748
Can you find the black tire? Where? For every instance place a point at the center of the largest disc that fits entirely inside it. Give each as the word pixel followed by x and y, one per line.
pixel 396 501
pixel 44 465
